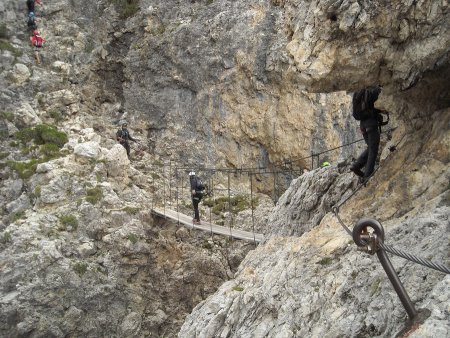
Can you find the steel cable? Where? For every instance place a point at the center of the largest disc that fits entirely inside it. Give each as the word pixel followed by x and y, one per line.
pixel 388 248
pixel 415 259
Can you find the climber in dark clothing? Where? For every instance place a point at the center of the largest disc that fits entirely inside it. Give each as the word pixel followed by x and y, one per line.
pixel 123 136
pixel 31 3
pixel 370 119
pixel 197 189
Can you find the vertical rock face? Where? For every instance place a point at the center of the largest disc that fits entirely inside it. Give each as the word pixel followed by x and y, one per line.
pixel 219 83
pixel 312 285
pixel 211 74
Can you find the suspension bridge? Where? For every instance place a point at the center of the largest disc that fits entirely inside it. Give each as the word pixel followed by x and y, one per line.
pixel 209 227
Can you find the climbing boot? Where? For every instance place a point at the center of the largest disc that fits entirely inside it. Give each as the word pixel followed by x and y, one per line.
pixel 356 170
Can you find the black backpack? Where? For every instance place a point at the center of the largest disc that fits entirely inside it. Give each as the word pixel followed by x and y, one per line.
pixel 199 187
pixel 31 21
pixel 361 105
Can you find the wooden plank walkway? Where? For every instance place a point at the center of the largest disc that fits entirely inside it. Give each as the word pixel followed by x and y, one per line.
pixel 206 226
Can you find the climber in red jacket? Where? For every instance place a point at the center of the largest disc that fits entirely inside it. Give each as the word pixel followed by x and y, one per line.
pixel 37 41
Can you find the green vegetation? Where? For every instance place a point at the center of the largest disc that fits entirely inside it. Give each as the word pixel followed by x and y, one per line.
pixel 325 261
pixel 49 150
pixel 68 221
pixel 3 31
pixel 238 288
pixel 37 191
pixel 131 210
pixel 4 155
pixel 25 169
pixel 56 115
pixel 42 134
pixel 160 30
pixel 7 116
pixel 126 8
pixel 80 268
pixel 6 238
pixel 94 195
pixel 16 216
pixel 133 238
pixel 49 139
pixel 222 204
pixel 375 286
pixel 5 45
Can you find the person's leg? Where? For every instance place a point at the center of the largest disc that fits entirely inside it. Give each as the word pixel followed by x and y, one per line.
pixel 373 135
pixel 196 212
pixel 362 158
pixel 38 58
pixel 127 147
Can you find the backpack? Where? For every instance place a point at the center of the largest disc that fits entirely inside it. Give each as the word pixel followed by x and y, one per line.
pixel 361 106
pixel 38 41
pixel 31 21
pixel 199 187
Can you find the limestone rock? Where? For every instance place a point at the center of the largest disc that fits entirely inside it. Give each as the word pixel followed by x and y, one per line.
pixel 21 204
pixel 12 189
pixel 45 167
pixel 117 162
pixel 131 325
pixel 25 116
pixel 86 249
pixel 56 190
pixel 62 67
pixel 87 151
pixel 20 73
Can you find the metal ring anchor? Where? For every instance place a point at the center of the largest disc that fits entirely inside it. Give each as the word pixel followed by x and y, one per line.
pixel 365 240
pixel 370 242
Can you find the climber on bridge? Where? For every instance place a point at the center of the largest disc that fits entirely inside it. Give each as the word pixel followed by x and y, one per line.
pixel 123 137
pixel 37 42
pixel 370 121
pixel 197 191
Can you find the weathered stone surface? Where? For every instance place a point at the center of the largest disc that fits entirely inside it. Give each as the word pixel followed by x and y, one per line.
pixel 18 205
pixel 56 190
pixel 86 249
pixel 319 285
pixel 20 73
pixel 87 151
pixel 222 84
pixel 25 116
pixel 117 162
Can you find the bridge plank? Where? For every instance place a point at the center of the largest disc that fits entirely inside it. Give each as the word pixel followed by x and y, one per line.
pixel 209 227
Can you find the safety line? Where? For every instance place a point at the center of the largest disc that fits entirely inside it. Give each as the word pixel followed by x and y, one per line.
pixel 425 262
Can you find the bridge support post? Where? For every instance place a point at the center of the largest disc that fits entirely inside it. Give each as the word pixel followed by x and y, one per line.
pixel 369 242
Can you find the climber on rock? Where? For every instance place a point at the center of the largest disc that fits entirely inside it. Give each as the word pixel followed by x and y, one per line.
pixel 37 42
pixel 370 121
pixel 123 137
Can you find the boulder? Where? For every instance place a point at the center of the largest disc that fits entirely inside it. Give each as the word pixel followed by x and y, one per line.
pixel 117 162
pixel 21 204
pixel 20 73
pixel 87 151
pixel 25 116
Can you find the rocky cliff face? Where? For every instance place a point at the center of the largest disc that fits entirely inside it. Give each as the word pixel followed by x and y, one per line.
pixel 317 285
pixel 221 84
